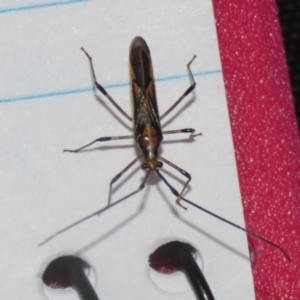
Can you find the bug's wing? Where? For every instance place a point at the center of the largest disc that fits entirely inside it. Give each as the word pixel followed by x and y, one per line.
pixel 146 110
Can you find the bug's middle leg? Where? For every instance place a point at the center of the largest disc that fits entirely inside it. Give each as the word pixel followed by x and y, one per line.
pixel 101 139
pixel 184 130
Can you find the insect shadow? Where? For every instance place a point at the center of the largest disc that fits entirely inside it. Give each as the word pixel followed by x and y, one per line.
pixel 121 223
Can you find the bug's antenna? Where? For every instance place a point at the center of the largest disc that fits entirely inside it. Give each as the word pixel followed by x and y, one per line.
pixel 239 227
pixel 142 185
pixel 175 192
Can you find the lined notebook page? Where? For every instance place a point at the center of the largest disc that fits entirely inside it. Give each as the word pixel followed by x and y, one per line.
pixel 47 103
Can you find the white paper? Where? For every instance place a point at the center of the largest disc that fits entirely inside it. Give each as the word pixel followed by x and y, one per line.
pixel 47 104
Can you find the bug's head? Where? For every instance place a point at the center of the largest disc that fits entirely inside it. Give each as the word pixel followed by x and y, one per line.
pixel 152 164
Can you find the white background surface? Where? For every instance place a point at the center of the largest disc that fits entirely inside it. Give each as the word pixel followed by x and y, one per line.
pixel 44 189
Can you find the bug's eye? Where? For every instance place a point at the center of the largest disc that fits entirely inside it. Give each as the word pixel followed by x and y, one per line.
pixel 159 164
pixel 144 166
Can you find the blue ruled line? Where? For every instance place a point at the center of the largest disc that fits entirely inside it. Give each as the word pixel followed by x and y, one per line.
pixel 37 6
pixel 89 89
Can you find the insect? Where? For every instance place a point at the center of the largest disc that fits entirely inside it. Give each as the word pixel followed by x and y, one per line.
pixel 147 132
pixel 146 120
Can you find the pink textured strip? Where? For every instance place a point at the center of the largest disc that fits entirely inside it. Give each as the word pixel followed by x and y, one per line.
pixel 265 137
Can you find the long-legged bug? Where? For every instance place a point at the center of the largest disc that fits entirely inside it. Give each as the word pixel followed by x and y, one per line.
pixel 147 129
pixel 148 134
